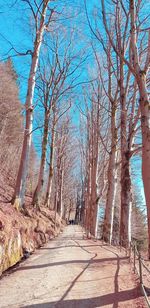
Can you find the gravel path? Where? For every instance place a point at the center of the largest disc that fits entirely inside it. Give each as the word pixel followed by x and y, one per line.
pixel 71 271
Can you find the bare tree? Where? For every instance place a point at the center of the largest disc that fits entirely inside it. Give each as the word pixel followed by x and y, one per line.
pixel 93 173
pixel 138 64
pixel 51 163
pixel 41 22
pixel 57 79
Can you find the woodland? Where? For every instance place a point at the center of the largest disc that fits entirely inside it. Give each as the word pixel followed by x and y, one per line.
pixel 75 115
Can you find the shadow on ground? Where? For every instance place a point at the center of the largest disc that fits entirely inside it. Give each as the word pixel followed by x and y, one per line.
pixel 97 261
pixel 101 301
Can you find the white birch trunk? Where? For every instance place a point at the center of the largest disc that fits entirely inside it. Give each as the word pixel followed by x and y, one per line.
pixel 112 181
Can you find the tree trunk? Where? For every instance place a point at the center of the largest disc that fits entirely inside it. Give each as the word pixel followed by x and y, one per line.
pixel 112 181
pixel 38 190
pixel 126 200
pixel 19 193
pixel 93 212
pixel 50 176
pixel 140 76
pixel 60 192
pixel 145 125
pixel 88 179
pixel 87 202
pixel 92 162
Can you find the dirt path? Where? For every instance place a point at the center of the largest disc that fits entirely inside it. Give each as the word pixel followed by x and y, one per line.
pixel 72 272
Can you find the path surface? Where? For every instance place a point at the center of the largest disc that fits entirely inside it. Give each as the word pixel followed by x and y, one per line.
pixel 71 272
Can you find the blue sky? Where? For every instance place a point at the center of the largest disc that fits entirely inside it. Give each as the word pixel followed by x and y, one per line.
pixel 16 31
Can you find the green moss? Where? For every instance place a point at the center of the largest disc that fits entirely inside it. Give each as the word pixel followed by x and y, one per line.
pixel 11 253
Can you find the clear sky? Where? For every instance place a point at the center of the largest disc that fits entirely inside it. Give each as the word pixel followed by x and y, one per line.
pixel 16 31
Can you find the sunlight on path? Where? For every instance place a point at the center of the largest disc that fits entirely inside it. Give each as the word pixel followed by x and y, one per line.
pixel 72 272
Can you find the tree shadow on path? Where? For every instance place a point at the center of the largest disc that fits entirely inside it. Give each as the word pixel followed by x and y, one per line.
pixel 100 301
pixel 97 261
pixel 116 284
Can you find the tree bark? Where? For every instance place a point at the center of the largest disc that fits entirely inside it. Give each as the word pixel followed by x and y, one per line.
pixel 94 202
pixel 88 178
pixel 140 76
pixel 126 196
pixel 60 192
pixel 50 176
pixel 112 180
pixel 38 190
pixel 145 125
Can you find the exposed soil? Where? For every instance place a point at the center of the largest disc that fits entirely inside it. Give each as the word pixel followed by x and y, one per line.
pixel 71 271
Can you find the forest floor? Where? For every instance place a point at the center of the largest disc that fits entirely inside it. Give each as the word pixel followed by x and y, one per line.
pixel 71 271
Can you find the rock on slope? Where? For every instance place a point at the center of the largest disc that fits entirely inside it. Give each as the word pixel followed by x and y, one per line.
pixel 21 234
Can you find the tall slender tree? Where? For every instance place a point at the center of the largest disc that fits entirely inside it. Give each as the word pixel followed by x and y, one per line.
pixel 138 62
pixel 41 22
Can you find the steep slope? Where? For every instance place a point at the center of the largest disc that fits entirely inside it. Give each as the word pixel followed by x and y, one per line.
pixel 20 235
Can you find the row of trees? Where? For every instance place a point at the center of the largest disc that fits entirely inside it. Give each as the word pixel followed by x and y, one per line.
pixel 114 115
pixel 117 116
pixel 54 65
